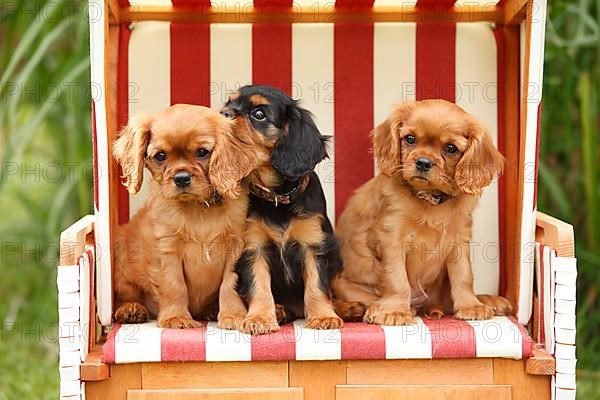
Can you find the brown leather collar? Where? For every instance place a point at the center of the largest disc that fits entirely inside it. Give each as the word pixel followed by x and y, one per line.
pixel 434 198
pixel 286 198
pixel 215 201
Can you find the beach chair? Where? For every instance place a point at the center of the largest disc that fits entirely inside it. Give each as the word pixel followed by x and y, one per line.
pixel 349 62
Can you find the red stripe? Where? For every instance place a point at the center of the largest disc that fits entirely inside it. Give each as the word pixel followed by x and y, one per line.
pixel 436 51
pixel 191 3
pixel 95 155
pixel 276 346
pixel 272 3
pixel 272 55
pixel 124 3
pixel 362 342
pixel 537 155
pixel 500 62
pixel 526 340
pixel 353 120
pixel 190 64
pixel 108 349
pixel 354 3
pixel 451 338
pixel 123 109
pixel 183 344
pixel 442 3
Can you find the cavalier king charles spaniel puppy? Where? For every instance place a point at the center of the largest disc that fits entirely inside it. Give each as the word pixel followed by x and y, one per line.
pixel 173 255
pixel 405 234
pixel 290 253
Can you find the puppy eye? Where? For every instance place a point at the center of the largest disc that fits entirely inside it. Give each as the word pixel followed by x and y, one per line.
pixel 202 153
pixel 450 148
pixel 410 139
pixel 160 156
pixel 258 114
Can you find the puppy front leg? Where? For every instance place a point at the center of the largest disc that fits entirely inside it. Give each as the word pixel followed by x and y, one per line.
pixel 261 317
pixel 393 308
pixel 232 309
pixel 172 295
pixel 466 305
pixel 318 308
pixel 129 297
pixel 128 300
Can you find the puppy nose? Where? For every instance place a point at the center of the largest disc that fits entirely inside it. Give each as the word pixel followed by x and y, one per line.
pixel 182 179
pixel 424 164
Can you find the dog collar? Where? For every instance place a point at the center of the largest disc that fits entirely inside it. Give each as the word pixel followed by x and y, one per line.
pixel 215 201
pixel 434 198
pixel 285 198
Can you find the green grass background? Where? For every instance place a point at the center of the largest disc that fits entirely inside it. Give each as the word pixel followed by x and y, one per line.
pixel 44 52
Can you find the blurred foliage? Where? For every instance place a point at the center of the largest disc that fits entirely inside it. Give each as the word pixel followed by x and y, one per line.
pixel 570 148
pixel 45 180
pixel 45 119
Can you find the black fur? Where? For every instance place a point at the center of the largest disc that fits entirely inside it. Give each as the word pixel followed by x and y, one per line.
pixel 299 149
pixel 300 146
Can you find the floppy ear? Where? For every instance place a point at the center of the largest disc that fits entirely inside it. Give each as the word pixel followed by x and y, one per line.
pixel 232 159
pixel 300 148
pixel 130 151
pixel 480 163
pixel 386 147
pixel 386 139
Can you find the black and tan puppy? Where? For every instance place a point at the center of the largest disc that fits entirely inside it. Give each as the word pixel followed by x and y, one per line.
pixel 290 254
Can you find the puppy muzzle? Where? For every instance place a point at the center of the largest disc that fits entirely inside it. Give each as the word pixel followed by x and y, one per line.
pixel 182 179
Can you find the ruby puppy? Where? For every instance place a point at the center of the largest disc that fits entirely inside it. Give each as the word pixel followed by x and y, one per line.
pixel 435 159
pixel 173 256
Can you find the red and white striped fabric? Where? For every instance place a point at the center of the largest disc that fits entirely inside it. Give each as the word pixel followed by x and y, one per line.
pixel 348 75
pixel 445 338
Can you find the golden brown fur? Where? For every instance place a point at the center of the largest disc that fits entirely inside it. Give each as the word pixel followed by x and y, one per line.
pixel 175 252
pixel 398 248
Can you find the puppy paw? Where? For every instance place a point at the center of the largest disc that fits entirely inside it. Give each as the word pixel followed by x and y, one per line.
pixel 131 313
pixel 324 322
pixel 351 311
pixel 481 311
pixel 179 322
pixel 499 304
pixel 434 313
pixel 376 314
pixel 210 313
pixel 231 322
pixel 259 325
pixel 280 313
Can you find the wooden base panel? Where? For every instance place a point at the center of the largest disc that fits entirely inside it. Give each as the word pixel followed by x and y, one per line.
pixel 423 392
pixel 217 394
pixel 501 379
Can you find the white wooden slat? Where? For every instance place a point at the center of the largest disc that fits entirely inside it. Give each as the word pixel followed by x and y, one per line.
pixel 477 93
pixel 227 72
pixel 149 72
pixel 312 83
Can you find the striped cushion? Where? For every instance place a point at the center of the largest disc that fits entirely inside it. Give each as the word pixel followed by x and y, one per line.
pixel 348 75
pixel 445 338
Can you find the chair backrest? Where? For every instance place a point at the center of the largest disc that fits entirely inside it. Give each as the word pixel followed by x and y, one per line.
pixel 349 76
pixel 349 72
